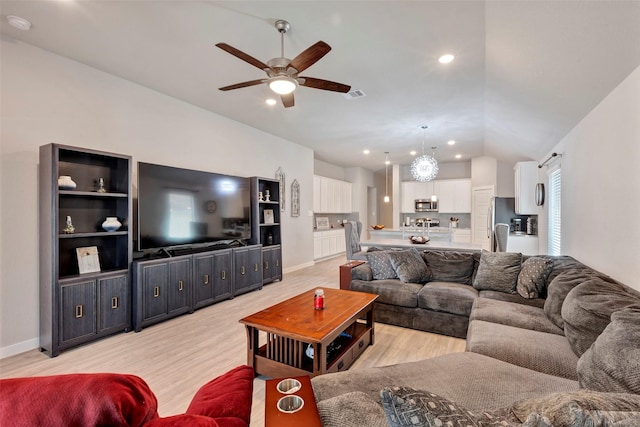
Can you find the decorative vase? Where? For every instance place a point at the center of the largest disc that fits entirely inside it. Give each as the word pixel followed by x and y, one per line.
pixel 111 224
pixel 66 183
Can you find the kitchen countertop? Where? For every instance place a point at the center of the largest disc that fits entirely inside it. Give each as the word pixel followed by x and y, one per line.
pixel 402 243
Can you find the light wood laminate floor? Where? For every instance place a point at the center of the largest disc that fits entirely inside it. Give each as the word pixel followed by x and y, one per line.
pixel 176 357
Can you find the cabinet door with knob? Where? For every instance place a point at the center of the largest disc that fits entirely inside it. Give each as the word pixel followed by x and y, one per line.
pixel 223 275
pixel 162 288
pixel 114 303
pixel 179 287
pixel 247 269
pixel 78 312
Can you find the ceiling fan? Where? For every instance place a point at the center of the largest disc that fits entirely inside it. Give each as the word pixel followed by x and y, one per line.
pixel 282 73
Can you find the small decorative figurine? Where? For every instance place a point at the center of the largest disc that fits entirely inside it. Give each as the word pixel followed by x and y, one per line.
pixel 267 195
pixel 69 228
pixel 260 198
pixel 101 188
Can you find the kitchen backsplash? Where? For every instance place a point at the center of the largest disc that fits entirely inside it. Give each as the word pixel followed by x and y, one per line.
pixel 464 220
pixel 335 220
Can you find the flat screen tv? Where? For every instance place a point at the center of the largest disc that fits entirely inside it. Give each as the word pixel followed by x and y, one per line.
pixel 179 207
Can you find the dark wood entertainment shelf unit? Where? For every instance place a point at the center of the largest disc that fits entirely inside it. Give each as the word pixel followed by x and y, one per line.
pixel 168 287
pixel 77 308
pixel 266 230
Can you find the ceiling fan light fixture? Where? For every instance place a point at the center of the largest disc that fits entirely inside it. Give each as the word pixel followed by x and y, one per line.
pixel 283 85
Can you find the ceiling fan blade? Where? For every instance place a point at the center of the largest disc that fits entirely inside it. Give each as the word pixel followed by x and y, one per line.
pixel 287 100
pixel 310 56
pixel 324 84
pixel 241 85
pixel 241 55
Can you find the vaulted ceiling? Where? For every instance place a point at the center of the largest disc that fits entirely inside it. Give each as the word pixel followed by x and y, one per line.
pixel 524 74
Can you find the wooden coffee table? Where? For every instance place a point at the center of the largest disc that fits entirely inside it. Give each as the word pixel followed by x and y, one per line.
pixel 339 334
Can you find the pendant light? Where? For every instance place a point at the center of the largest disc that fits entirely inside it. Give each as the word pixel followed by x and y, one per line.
pixel 424 168
pixel 386 177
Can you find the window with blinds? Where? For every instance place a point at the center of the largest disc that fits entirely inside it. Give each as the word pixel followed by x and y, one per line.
pixel 555 222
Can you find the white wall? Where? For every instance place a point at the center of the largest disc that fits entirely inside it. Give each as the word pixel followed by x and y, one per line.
pixel 361 179
pixel 48 98
pixel 601 185
pixel 328 170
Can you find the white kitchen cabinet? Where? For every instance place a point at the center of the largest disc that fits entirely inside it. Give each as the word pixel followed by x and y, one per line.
pixel 523 243
pixel 328 243
pixel 454 195
pixel 331 195
pixel 410 191
pixel 461 235
pixel 526 177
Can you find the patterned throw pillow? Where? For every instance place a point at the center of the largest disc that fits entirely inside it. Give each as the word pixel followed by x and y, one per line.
pixel 577 409
pixel 498 271
pixel 381 265
pixel 533 276
pixel 404 406
pixel 409 266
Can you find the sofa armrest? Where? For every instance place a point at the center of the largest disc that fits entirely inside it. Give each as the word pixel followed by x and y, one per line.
pixel 362 272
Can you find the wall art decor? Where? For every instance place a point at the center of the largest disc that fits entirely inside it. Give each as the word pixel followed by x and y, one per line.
pixel 295 198
pixel 88 261
pixel 280 177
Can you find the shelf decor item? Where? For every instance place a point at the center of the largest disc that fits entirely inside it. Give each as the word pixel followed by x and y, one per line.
pixel 268 216
pixel 267 196
pixel 111 224
pixel 101 188
pixel 295 198
pixel 280 178
pixel 88 261
pixel 66 183
pixel 322 222
pixel 69 228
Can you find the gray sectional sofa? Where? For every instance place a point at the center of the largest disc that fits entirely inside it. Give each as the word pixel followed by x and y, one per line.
pixel 560 346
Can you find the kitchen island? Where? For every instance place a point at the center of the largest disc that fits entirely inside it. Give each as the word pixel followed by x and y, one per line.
pixel 433 244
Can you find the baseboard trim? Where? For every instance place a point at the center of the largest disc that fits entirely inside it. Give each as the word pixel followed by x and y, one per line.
pixel 21 347
pixel 298 267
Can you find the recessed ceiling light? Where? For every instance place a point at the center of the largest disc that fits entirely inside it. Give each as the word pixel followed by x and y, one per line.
pixel 451 142
pixel 270 101
pixel 19 23
pixel 458 156
pixel 366 151
pixel 413 152
pixel 445 59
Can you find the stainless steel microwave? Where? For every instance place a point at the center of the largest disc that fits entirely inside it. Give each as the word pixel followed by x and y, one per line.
pixel 426 205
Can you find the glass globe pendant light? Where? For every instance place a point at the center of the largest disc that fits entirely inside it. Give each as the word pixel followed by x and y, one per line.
pixel 424 168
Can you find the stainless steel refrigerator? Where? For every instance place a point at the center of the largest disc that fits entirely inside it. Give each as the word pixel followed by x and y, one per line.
pixel 501 210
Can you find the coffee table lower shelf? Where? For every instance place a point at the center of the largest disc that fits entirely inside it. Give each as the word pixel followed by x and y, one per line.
pixel 285 357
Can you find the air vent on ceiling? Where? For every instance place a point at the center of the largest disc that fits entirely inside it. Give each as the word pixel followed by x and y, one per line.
pixel 354 93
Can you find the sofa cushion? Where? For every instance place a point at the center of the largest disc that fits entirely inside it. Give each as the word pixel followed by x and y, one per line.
pixel 515 298
pixel 77 400
pixel 612 363
pixel 391 291
pixel 587 310
pixel 355 409
pixel 475 381
pixel 381 265
pixel 226 398
pixel 579 408
pixel 533 276
pixel 498 271
pixel 539 351
pixel 512 314
pixel 445 266
pixel 448 297
pixel 559 288
pixel 406 406
pixel 409 266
